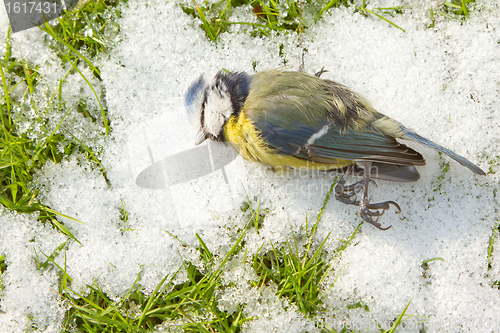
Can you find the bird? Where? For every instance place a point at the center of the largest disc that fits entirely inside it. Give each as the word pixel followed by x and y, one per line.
pixel 286 119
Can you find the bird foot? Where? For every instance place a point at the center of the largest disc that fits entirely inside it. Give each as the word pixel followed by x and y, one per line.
pixel 367 213
pixel 323 70
pixel 348 193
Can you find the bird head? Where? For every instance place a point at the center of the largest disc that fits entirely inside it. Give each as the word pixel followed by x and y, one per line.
pixel 210 102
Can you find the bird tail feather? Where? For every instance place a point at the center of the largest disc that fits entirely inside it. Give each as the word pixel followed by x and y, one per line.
pixel 462 160
pixel 390 172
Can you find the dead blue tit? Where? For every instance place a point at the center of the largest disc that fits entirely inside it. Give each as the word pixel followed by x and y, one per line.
pixel 288 119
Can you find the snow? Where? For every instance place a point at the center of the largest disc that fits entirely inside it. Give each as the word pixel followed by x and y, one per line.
pixel 442 82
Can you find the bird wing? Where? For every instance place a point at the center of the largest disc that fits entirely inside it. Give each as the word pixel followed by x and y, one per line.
pixel 327 143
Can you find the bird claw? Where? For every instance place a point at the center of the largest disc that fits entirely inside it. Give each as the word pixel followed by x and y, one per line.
pixel 384 206
pixel 375 223
pixel 323 70
pixel 347 194
pixel 367 213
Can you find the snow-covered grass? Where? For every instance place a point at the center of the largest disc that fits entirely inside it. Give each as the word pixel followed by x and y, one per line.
pixel 92 102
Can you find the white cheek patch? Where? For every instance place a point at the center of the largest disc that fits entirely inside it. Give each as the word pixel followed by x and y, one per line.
pixel 218 108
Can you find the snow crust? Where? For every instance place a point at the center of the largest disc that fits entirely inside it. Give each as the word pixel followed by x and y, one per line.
pixel 442 82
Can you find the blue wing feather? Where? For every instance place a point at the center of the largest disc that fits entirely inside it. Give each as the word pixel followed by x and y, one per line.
pixel 335 144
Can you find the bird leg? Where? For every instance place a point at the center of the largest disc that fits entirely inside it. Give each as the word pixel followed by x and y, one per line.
pixel 365 206
pixel 347 194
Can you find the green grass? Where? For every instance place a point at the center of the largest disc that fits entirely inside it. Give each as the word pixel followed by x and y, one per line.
pixel 453 10
pixel 256 215
pixel 89 30
pixel 193 304
pixel 398 320
pixel 495 281
pixel 445 167
pixel 425 267
pixel 3 267
pixel 298 271
pixel 296 16
pixel 85 34
pixel 380 12
pixel 458 7
pixel 272 16
pixel 21 155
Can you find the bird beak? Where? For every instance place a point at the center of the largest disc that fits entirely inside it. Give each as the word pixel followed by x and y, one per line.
pixel 200 137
